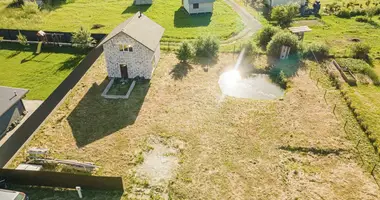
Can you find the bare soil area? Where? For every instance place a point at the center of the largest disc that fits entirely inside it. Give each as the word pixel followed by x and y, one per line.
pixel 294 148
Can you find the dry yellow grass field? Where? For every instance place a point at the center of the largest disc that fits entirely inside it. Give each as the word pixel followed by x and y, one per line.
pixel 293 148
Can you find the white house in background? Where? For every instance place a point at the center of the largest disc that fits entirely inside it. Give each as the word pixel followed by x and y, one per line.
pixel 273 3
pixel 143 2
pixel 132 49
pixel 198 6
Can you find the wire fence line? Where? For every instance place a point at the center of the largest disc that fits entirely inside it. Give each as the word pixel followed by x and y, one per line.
pixel 333 106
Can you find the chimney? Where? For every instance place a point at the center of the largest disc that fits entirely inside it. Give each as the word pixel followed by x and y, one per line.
pixel 140 14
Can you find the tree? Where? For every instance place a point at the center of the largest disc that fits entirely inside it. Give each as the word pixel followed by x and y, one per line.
pixel 283 38
pixel 185 52
pixel 264 36
pixel 284 14
pixel 207 47
pixel 82 39
pixel 22 39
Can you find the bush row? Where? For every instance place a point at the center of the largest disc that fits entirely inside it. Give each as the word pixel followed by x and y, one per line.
pixel 207 47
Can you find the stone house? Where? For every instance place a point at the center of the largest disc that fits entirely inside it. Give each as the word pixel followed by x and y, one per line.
pixel 198 6
pixel 132 49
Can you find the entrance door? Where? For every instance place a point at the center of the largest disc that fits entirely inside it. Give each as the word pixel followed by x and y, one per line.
pixel 124 71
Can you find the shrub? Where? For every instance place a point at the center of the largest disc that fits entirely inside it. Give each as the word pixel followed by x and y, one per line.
pixel 357 12
pixel 360 50
pixel 332 8
pixel 207 47
pixel 82 39
pixel 344 13
pixel 185 52
pixel 284 14
pixel 251 49
pixel 30 7
pixel 264 36
pixel 371 12
pixel 22 39
pixel 283 39
pixel 362 19
pixel 278 76
pixel 359 66
pixel 320 50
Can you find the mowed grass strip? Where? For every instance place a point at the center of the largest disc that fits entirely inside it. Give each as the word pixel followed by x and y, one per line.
pixel 41 73
pixel 168 13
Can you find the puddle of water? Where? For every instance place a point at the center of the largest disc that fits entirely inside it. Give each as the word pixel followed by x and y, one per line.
pixel 258 86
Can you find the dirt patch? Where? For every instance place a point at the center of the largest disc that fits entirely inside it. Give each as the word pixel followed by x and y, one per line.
pixel 158 168
pixel 312 22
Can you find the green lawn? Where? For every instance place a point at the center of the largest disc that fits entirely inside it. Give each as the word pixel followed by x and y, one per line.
pixel 168 13
pixel 42 73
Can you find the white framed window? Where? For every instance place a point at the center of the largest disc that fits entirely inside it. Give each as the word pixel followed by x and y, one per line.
pixel 196 6
pixel 125 48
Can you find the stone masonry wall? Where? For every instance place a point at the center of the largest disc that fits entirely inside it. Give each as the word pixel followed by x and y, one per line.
pixel 139 62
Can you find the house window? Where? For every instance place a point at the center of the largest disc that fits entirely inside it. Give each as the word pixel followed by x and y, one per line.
pixel 125 48
pixel 196 6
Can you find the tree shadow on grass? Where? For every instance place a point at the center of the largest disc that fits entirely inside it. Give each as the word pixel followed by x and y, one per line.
pixel 180 70
pixel 313 150
pixel 37 192
pixel 70 63
pixel 182 19
pixel 205 62
pixel 136 8
pixel 96 117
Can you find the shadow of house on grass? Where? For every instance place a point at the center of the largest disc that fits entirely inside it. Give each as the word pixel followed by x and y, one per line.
pixel 180 70
pixel 182 19
pixel 136 8
pixel 96 117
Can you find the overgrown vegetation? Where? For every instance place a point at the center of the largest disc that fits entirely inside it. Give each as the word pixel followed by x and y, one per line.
pixel 359 66
pixel 284 14
pixel 319 50
pixel 185 52
pixel 360 51
pixel 279 77
pixel 30 7
pixel 283 38
pixel 82 39
pixel 207 46
pixel 264 36
pixel 22 39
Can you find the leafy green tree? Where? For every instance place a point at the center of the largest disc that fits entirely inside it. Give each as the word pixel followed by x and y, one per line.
pixel 264 36
pixel 22 39
pixel 185 52
pixel 284 14
pixel 283 38
pixel 82 39
pixel 207 46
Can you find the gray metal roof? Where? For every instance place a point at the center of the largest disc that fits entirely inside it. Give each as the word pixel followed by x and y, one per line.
pixel 140 28
pixel 201 1
pixel 9 97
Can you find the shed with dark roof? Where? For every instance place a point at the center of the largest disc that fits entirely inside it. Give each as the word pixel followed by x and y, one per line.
pixel 12 108
pixel 198 6
pixel 132 49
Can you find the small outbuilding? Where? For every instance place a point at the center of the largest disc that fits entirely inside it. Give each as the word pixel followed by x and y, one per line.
pixel 198 6
pixel 12 108
pixel 143 2
pixel 132 49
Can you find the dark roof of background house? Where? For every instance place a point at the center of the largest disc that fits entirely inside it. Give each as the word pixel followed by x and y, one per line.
pixel 9 97
pixel 140 28
pixel 201 1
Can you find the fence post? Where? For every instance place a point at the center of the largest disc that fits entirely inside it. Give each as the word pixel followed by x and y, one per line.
pixel 357 144
pixel 345 124
pixel 324 96
pixel 317 82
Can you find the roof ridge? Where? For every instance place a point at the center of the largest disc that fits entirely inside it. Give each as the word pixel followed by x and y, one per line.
pixel 134 16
